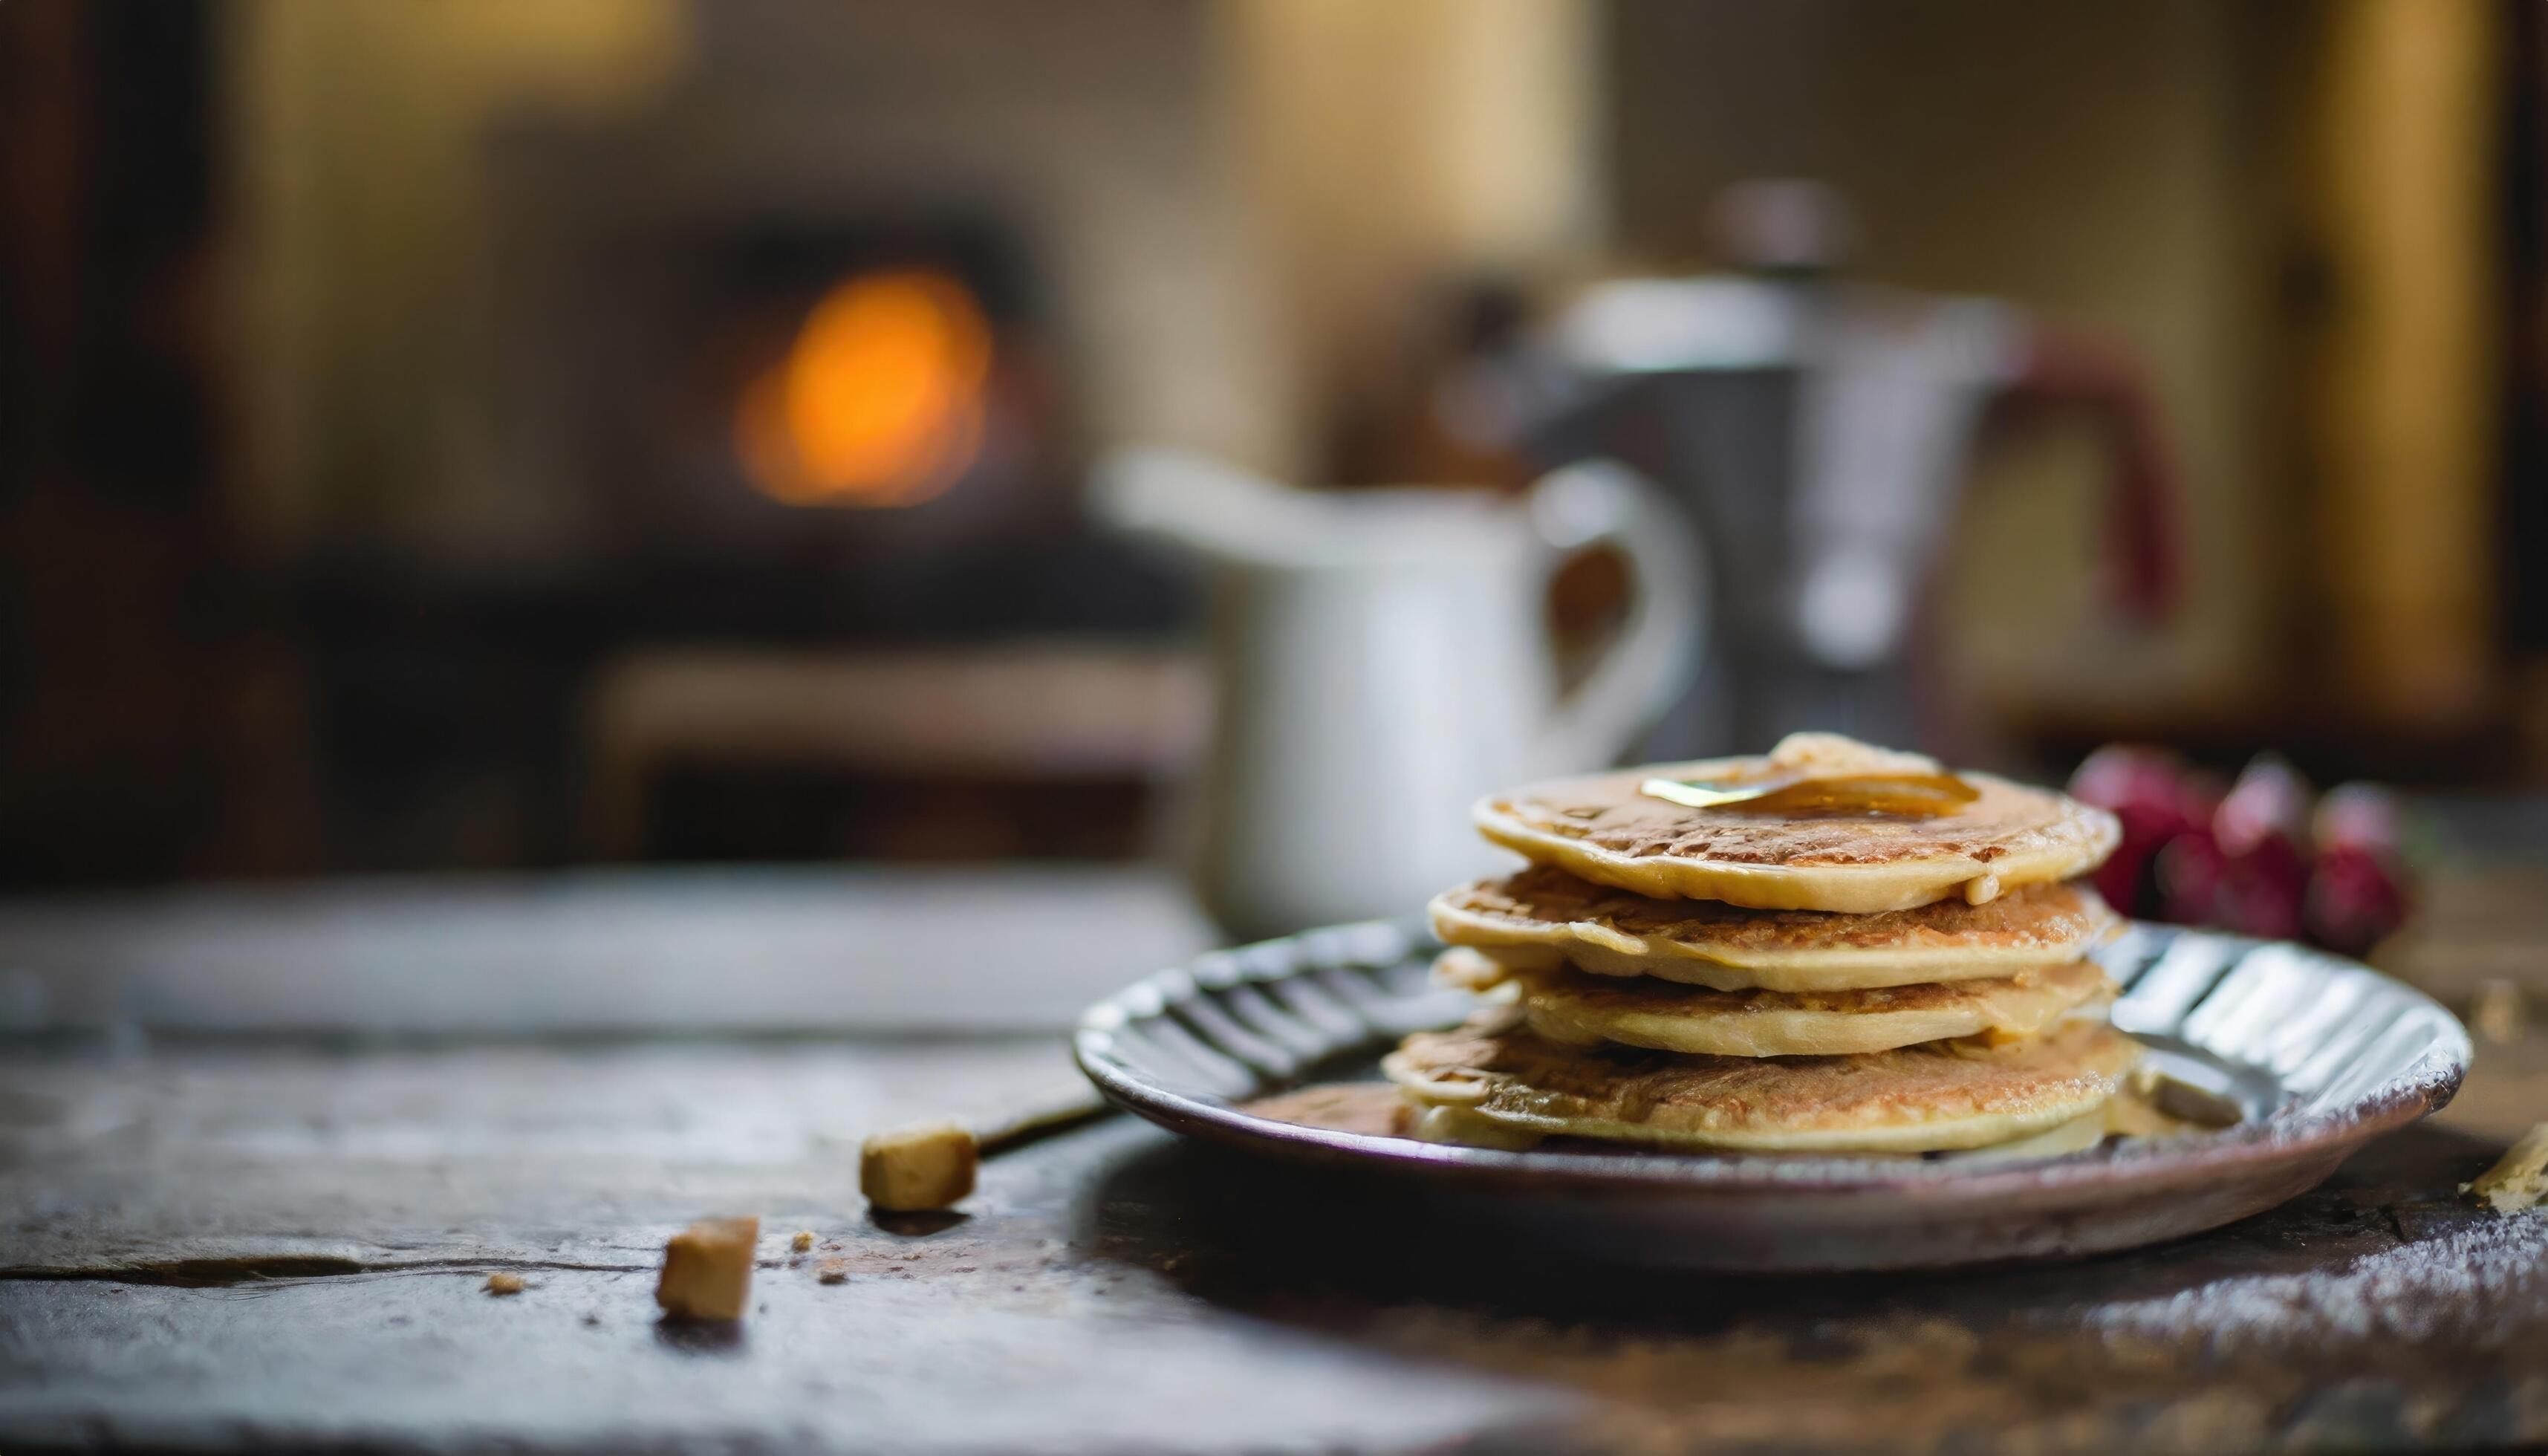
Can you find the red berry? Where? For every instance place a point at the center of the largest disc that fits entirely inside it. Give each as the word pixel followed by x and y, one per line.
pixel 2270 800
pixel 2188 872
pixel 2146 790
pixel 2262 891
pixel 2356 899
pixel 2360 815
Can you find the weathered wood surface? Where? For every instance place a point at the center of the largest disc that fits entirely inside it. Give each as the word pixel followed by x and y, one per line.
pixel 251 1244
pixel 265 1246
pixel 741 951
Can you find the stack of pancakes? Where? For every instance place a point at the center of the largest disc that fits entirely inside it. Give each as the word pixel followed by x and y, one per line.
pixel 1850 970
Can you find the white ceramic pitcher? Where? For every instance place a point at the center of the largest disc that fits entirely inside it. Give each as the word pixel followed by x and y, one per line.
pixel 1381 660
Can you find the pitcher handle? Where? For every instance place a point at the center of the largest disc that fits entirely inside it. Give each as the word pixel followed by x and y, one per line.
pixel 1596 503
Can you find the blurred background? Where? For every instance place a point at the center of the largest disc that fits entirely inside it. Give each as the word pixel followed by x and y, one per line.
pixel 475 435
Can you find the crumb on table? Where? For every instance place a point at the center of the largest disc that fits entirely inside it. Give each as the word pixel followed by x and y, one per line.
pixel 803 1240
pixel 2497 1012
pixel 505 1284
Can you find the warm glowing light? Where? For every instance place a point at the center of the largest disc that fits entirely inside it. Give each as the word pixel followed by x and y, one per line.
pixel 879 399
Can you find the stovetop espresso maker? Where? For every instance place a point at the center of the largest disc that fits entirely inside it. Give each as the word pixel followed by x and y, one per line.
pixel 1817 432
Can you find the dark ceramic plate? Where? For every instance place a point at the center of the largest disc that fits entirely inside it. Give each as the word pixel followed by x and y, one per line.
pixel 2322 1054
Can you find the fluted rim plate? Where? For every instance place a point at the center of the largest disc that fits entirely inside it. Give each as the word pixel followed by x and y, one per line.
pixel 2320 1052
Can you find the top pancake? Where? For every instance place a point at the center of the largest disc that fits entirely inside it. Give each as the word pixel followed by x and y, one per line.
pixel 1542 918
pixel 1601 827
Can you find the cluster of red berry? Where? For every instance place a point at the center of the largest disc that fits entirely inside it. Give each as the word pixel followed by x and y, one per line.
pixel 2267 856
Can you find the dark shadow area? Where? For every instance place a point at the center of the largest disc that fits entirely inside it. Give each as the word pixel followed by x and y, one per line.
pixel 1336 1252
pixel 722 1337
pixel 917 1225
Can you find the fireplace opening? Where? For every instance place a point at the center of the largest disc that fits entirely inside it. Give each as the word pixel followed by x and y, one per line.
pixel 822 466
pixel 769 395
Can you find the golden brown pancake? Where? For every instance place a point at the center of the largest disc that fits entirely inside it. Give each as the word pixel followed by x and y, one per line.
pixel 1918 1099
pixel 1602 827
pixel 1544 917
pixel 1569 1006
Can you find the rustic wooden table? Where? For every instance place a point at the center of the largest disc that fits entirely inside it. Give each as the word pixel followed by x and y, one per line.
pixel 262 1240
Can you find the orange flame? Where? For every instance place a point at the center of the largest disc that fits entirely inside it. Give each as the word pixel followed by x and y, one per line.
pixel 879 402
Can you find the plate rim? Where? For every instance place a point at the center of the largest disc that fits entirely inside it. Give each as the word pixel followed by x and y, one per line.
pixel 2279 1139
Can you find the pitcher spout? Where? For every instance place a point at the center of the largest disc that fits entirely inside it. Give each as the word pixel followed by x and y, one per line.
pixel 1207 505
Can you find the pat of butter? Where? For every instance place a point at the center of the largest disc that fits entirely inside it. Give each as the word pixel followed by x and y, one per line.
pixel 707 1269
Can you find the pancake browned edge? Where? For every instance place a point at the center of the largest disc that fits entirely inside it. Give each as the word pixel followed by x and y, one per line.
pixel 1569 1006
pixel 1918 1099
pixel 1604 829
pixel 1545 917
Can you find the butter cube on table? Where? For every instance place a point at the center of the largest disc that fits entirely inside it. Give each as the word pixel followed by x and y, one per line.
pixel 707 1269
pixel 2520 1179
pixel 917 1168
